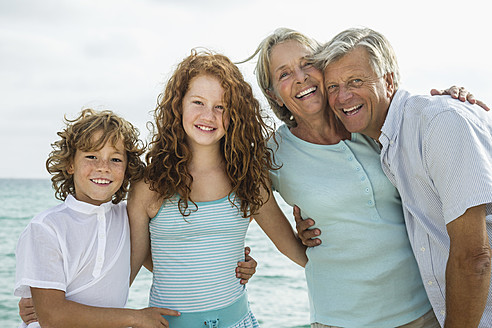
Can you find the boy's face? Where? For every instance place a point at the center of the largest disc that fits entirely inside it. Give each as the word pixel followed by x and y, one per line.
pixel 98 174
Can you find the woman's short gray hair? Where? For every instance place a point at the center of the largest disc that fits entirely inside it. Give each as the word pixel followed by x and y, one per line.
pixel 381 53
pixel 262 70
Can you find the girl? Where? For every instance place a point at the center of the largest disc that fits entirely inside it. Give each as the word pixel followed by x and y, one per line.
pixel 207 174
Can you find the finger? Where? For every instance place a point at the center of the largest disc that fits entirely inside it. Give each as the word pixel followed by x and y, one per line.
pixel 483 105
pixel 169 312
pixel 435 92
pixel 304 225
pixel 247 250
pixel 462 94
pixel 471 98
pixel 297 214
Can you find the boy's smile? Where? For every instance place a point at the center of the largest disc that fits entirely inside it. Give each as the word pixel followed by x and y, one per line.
pixel 100 173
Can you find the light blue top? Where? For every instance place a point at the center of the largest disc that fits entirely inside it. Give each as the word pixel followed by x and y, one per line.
pixel 438 152
pixel 195 257
pixel 364 273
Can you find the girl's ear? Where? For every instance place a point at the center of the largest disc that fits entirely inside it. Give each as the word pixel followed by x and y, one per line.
pixel 272 95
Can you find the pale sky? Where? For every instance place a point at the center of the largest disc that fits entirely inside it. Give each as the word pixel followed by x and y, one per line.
pixel 57 57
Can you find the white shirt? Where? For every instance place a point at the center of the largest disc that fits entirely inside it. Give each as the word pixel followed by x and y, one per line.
pixel 79 248
pixel 437 152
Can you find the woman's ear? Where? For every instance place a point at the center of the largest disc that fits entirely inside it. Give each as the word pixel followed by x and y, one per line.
pixel 272 95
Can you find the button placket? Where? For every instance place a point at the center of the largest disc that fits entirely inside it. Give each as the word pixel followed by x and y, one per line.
pixel 101 243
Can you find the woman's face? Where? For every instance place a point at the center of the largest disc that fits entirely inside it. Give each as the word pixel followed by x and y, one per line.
pixel 296 83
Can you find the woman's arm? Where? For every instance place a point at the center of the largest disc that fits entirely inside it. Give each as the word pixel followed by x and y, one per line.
pixel 273 222
pixel 461 94
pixel 53 310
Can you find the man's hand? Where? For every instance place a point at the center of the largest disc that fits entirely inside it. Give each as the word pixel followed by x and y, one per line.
pixel 307 236
pixel 247 268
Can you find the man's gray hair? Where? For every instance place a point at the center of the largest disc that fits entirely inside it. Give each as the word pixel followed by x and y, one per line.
pixel 381 53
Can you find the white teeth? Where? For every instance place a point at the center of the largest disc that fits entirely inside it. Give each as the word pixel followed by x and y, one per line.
pixel 346 110
pixel 101 181
pixel 305 92
pixel 206 128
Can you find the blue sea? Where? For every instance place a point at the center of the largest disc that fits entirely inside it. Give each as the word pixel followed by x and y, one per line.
pixel 277 292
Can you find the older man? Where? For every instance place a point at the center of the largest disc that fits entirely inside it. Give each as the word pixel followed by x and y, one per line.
pixel 438 153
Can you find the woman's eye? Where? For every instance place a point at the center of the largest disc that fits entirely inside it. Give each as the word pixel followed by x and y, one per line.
pixel 283 75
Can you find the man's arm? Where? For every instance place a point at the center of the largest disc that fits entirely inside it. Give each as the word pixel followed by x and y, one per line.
pixel 53 310
pixel 468 269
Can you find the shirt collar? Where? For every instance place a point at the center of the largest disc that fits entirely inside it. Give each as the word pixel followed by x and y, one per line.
pixel 87 208
pixel 392 123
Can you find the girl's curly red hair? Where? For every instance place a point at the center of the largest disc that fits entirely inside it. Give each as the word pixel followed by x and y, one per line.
pixel 247 157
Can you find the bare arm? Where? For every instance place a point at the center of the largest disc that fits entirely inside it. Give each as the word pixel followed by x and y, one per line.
pixel 274 223
pixel 139 205
pixel 53 310
pixel 468 269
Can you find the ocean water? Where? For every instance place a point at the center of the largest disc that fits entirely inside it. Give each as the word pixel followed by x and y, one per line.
pixel 277 292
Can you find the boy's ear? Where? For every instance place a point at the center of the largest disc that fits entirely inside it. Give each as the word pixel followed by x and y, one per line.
pixel 70 169
pixel 272 95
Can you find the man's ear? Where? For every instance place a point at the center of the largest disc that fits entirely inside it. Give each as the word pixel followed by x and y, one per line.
pixel 390 84
pixel 272 95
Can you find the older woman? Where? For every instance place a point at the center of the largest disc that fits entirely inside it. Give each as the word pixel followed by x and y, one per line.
pixel 364 272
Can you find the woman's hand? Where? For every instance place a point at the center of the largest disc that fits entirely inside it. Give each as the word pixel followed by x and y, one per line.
pixel 461 94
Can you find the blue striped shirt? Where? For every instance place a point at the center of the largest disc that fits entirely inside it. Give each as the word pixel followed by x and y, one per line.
pixel 195 257
pixel 437 152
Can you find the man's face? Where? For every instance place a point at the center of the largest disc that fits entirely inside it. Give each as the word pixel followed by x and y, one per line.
pixel 356 94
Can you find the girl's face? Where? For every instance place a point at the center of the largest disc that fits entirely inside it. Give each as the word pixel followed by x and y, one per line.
pixel 98 174
pixel 204 118
pixel 296 83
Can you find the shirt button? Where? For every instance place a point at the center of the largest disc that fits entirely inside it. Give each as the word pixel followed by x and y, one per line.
pixel 443 312
pixel 429 283
pixel 350 158
pixel 366 190
pixel 344 148
pixel 357 168
pixel 370 202
pixel 422 249
pixel 362 178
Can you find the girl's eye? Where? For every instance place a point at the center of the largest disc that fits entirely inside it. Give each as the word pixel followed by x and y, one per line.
pixel 90 156
pixel 197 102
pixel 220 107
pixel 118 160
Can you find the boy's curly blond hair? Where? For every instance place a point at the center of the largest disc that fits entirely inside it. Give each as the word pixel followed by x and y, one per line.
pixel 78 134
